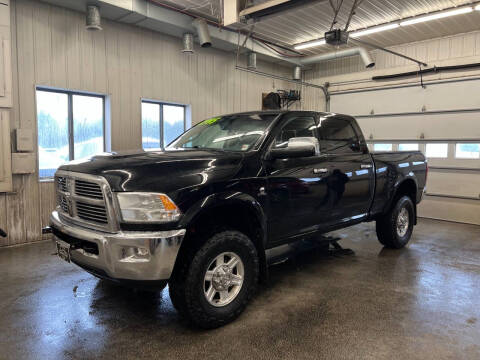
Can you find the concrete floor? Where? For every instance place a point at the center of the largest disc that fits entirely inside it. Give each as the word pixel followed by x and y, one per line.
pixel 422 302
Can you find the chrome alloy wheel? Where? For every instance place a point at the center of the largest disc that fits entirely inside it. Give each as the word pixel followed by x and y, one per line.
pixel 223 279
pixel 402 222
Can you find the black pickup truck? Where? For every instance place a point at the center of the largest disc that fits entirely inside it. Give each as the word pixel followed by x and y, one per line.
pixel 208 212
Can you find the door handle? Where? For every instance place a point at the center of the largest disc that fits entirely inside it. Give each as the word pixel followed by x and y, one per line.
pixel 320 171
pixel 366 166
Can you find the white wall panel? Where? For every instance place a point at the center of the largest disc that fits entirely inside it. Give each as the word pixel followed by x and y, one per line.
pixel 452 95
pixel 464 211
pixel 453 125
pixel 466 184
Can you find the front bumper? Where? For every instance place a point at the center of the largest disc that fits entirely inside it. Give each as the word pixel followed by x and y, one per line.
pixel 124 255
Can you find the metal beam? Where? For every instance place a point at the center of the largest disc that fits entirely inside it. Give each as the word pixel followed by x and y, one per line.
pixel 272 7
pixel 262 6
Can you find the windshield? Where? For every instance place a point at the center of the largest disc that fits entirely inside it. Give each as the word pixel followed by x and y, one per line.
pixel 239 132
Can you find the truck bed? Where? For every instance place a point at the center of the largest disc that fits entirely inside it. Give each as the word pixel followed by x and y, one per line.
pixel 392 168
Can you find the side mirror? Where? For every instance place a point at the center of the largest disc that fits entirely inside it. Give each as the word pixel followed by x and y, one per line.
pixel 293 152
pixel 295 148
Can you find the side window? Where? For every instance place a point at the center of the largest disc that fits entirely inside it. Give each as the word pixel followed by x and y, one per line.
pixel 70 125
pixel 298 126
pixel 161 123
pixel 337 136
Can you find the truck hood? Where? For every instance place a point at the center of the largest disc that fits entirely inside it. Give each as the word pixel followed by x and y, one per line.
pixel 160 171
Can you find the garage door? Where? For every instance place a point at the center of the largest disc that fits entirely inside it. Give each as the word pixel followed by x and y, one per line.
pixel 443 121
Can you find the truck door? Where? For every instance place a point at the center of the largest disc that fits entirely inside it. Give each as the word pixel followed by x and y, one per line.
pixel 351 178
pixel 296 187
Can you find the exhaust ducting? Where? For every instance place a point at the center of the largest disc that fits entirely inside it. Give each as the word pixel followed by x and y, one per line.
pixel 187 40
pixel 93 20
pixel 364 55
pixel 203 33
pixel 252 60
pixel 297 73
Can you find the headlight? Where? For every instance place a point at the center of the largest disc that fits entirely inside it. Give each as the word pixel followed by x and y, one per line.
pixel 140 207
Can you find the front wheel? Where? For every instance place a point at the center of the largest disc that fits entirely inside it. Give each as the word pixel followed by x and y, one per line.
pixel 218 282
pixel 395 228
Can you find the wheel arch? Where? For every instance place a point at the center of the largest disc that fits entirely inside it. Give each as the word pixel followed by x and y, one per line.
pixel 229 210
pixel 407 186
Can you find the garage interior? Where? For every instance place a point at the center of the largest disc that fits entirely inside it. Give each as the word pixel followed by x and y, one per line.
pixel 144 71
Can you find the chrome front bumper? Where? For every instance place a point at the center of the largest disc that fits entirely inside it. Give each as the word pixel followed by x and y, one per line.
pixel 124 255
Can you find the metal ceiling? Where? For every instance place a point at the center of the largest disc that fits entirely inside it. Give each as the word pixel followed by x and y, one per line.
pixel 311 21
pixel 211 9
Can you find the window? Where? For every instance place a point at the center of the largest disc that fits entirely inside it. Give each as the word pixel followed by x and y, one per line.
pixel 150 126
pixel 161 123
pixel 338 136
pixel 232 133
pixel 467 151
pixel 437 150
pixel 408 147
pixel 382 147
pixel 303 126
pixel 70 126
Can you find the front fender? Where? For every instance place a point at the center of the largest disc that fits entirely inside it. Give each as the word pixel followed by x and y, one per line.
pixel 229 198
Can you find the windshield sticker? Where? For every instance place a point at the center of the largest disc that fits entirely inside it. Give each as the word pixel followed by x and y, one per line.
pixel 211 120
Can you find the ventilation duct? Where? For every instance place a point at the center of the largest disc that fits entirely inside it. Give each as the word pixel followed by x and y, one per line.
pixel 252 60
pixel 187 41
pixel 364 55
pixel 201 27
pixel 297 73
pixel 93 20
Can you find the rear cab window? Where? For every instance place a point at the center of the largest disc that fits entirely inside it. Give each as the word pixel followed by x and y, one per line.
pixel 337 135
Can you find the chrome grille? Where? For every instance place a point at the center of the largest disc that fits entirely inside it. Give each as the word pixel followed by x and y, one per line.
pixel 91 212
pixel 62 202
pixel 88 189
pixel 86 200
pixel 62 183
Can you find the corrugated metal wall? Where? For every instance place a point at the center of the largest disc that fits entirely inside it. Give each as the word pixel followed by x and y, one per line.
pixel 51 47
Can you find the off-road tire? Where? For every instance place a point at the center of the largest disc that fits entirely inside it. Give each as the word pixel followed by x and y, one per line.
pixel 387 232
pixel 187 283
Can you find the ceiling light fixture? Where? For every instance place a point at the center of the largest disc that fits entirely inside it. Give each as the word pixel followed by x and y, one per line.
pixel 374 30
pixel 411 21
pixel 310 44
pixel 439 15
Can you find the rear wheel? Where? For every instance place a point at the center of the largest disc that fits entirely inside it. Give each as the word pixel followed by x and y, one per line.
pixel 214 286
pixel 395 228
